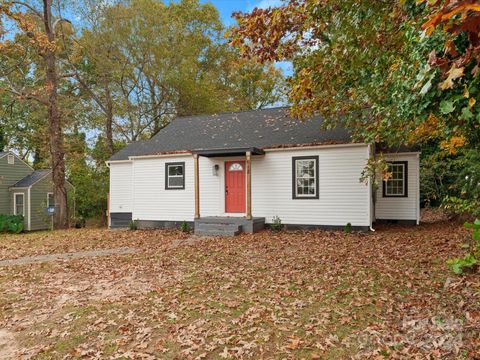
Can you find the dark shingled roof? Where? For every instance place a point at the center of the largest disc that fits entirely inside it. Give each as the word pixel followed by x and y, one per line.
pixel 2 153
pixel 257 128
pixel 32 178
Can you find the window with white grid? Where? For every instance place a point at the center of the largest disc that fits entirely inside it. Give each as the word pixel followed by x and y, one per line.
pixel 175 176
pixel 305 181
pixel 396 185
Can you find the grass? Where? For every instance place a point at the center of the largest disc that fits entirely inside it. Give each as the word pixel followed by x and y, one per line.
pixel 272 295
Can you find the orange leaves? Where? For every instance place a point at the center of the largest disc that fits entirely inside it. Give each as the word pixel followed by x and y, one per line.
pixel 270 34
pixel 294 343
pixel 427 130
pixel 30 28
pixel 448 11
pixel 453 74
pixel 453 144
pixel 455 18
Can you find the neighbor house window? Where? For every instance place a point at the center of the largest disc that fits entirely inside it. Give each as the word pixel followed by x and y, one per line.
pixel 11 159
pixel 19 204
pixel 396 185
pixel 305 177
pixel 175 176
pixel 50 200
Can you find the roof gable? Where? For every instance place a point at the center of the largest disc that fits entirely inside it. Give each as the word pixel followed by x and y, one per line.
pixel 31 179
pixel 258 128
pixel 5 153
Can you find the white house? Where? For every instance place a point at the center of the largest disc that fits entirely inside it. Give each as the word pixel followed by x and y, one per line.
pixel 234 172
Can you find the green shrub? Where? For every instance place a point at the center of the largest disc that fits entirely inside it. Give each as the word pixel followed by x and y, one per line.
pixel 471 260
pixel 11 224
pixel 133 225
pixel 184 227
pixel 277 224
pixel 348 228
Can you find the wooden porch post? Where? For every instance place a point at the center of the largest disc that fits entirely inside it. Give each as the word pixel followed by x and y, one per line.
pixel 197 186
pixel 249 184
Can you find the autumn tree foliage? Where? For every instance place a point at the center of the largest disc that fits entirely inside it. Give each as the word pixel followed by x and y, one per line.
pixel 119 73
pixel 38 39
pixel 397 72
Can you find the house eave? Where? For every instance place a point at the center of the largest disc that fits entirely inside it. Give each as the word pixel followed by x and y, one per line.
pixel 229 152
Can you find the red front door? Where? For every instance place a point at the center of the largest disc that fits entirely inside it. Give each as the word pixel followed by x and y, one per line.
pixel 235 197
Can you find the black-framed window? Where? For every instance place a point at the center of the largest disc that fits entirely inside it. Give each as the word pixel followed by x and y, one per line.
pixel 50 200
pixel 175 176
pixel 305 177
pixel 397 184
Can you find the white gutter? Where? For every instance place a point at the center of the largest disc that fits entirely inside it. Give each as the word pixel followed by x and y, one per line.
pixel 29 211
pixel 418 190
pixel 369 192
pixel 117 162
pixel 403 153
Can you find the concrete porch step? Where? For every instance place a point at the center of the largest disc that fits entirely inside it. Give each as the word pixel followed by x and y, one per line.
pixel 217 229
pixel 231 225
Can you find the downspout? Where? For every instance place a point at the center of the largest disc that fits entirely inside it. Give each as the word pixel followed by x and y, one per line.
pixel 29 211
pixel 372 189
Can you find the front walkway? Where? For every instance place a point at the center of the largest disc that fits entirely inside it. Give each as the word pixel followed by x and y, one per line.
pixel 67 256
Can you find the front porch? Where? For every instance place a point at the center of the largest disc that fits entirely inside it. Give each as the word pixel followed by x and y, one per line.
pixel 227 226
pixel 237 188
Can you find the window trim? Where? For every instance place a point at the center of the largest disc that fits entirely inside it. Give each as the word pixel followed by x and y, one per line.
pixel 405 181
pixel 10 159
pixel 167 187
pixel 294 178
pixel 15 203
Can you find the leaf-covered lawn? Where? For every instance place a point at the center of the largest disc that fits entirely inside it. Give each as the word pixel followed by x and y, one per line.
pixel 311 295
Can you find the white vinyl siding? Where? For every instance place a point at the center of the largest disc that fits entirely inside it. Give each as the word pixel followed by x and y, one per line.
pixel 121 188
pixel 342 197
pixel 151 201
pixel 398 207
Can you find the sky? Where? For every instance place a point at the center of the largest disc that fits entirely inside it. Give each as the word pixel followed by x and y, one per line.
pixel 227 7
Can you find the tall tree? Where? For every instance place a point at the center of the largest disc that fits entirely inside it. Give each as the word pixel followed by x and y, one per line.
pixel 144 62
pixel 3 140
pixel 399 72
pixel 35 22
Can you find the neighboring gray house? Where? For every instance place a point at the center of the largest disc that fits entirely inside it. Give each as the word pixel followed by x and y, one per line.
pixel 234 172
pixel 25 191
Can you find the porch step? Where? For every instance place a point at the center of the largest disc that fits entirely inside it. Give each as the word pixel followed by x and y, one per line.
pixel 228 226
pixel 217 229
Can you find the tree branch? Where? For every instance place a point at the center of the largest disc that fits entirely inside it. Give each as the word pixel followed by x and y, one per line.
pixel 28 6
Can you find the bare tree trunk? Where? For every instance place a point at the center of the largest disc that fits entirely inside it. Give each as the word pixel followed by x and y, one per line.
pixel 109 120
pixel 55 125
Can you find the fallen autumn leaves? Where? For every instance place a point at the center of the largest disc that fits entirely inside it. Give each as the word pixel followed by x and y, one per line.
pixel 311 295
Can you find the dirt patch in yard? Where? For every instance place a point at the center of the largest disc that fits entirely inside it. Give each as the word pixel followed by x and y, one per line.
pixel 7 345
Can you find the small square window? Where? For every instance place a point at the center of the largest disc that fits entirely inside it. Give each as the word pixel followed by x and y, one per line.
pixel 397 185
pixel 11 159
pixel 305 177
pixel 175 176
